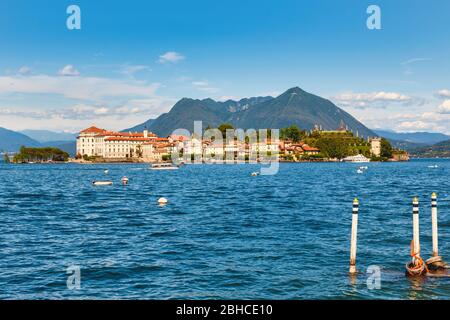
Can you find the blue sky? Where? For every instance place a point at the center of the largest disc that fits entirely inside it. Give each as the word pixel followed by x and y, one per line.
pixel 132 60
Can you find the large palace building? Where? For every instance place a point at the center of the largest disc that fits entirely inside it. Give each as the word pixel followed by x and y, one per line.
pixel 115 145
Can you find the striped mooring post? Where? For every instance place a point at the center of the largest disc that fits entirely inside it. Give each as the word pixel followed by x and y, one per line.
pixel 417 266
pixel 434 223
pixel 416 240
pixel 435 262
pixel 354 236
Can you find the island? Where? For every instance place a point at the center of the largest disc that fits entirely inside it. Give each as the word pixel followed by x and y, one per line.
pixel 40 155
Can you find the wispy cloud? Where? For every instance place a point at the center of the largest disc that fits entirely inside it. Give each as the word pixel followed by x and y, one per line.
pixel 84 88
pixel 131 69
pixel 407 65
pixel 24 70
pixel 205 86
pixel 171 57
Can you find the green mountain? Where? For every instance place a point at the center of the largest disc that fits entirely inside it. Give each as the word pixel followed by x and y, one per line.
pixel 295 106
pixel 441 150
pixel 11 141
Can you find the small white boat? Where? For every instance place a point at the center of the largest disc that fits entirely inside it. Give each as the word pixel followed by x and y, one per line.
pixel 359 171
pixel 432 167
pixel 358 158
pixel 102 183
pixel 254 174
pixel 364 167
pixel 163 166
pixel 106 171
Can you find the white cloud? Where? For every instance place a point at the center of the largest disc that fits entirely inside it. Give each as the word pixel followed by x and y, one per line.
pixel 444 93
pixel 171 57
pixel 444 107
pixel 101 110
pixel 372 99
pixel 69 71
pixel 413 126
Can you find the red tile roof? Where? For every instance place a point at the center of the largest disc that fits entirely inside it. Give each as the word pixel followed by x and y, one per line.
pixel 308 148
pixel 93 129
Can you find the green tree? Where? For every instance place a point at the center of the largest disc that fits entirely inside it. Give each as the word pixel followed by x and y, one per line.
pixel 224 127
pixel 292 133
pixel 386 148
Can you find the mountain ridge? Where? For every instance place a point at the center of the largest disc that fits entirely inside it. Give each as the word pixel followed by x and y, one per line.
pixel 293 107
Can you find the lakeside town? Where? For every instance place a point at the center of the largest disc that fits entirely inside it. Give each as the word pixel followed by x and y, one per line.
pixel 96 145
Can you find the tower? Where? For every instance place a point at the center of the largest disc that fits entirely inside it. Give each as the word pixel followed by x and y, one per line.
pixel 375 147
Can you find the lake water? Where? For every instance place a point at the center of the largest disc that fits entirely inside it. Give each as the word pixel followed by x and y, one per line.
pixel 224 234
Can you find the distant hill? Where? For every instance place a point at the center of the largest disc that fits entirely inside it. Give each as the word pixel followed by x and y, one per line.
pixel 46 135
pixel 295 106
pixel 11 141
pixel 420 138
pixel 441 150
pixel 68 146
pixel 405 145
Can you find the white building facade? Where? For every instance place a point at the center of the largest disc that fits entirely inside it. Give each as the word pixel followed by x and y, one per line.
pixel 96 142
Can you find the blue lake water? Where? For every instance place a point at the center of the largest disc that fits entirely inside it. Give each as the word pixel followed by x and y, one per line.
pixel 224 234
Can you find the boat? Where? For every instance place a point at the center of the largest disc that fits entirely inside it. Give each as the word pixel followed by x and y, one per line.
pixel 359 159
pixel 433 166
pixel 163 166
pixel 359 171
pixel 102 183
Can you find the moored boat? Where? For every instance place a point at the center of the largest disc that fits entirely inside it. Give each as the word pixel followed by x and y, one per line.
pixel 163 166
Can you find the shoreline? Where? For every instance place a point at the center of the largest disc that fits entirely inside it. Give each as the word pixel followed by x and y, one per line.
pixel 208 162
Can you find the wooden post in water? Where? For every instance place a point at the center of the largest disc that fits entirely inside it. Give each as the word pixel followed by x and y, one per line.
pixel 416 240
pixel 354 236
pixel 434 224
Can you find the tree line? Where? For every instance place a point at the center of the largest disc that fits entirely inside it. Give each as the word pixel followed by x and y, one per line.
pixel 40 155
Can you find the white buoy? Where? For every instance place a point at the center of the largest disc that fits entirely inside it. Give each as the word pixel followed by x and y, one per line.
pixel 254 174
pixel 354 237
pixel 162 201
pixel 434 224
pixel 416 239
pixel 106 171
